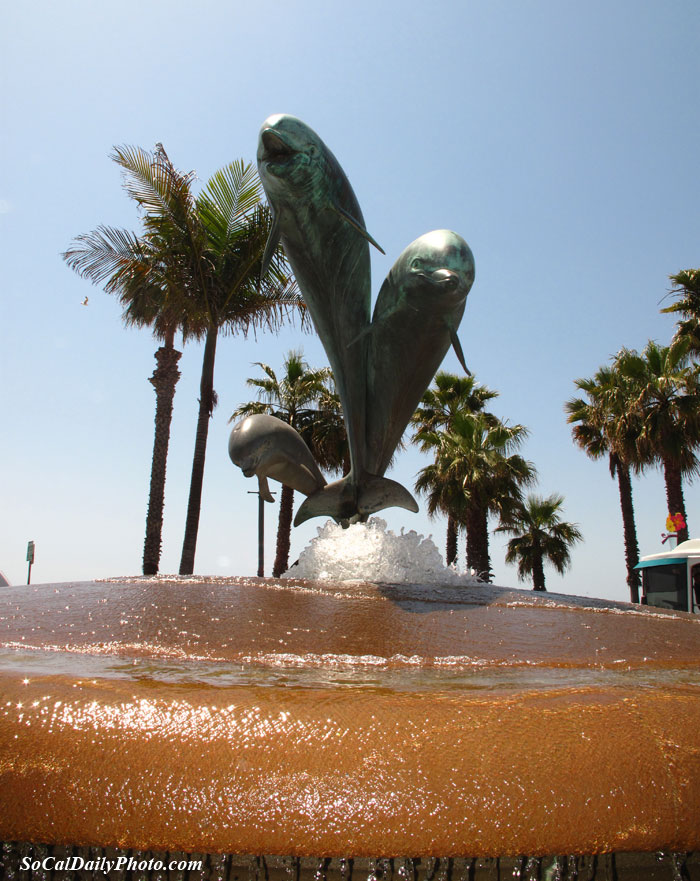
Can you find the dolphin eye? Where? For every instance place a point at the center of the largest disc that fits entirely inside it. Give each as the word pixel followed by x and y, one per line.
pixel 417 264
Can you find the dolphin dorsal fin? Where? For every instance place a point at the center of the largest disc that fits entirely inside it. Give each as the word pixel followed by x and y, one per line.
pixel 457 346
pixel 273 241
pixel 356 225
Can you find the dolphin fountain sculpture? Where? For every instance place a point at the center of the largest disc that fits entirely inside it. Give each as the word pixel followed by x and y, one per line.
pixel 383 366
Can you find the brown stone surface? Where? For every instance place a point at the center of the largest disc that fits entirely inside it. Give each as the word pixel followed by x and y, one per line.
pixel 361 720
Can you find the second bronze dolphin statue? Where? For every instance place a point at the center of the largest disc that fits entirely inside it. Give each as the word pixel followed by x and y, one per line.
pixel 418 311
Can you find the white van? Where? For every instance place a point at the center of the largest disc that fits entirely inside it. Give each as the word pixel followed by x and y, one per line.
pixel 671 579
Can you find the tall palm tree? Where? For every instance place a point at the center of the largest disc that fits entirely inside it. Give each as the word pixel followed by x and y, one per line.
pixel 451 394
pixel 202 256
pixel 478 456
pixel 141 272
pixel 539 534
pixel 686 288
pixel 668 407
pixel 305 399
pixel 606 423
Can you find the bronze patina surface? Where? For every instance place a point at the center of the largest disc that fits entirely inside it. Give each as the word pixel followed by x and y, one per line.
pixel 265 446
pixel 415 321
pixel 254 716
pixel 318 220
pixel 382 368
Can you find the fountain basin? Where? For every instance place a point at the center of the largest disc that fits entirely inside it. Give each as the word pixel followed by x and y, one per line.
pixel 254 716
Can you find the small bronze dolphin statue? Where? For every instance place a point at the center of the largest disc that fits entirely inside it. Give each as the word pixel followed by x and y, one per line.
pixel 265 446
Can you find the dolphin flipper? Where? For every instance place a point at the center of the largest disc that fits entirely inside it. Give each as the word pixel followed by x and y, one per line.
pixel 457 346
pixel 273 241
pixel 264 489
pixel 355 224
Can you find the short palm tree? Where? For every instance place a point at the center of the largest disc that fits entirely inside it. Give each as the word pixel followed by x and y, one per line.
pixel 477 455
pixel 686 289
pixel 539 535
pixel 605 423
pixel 444 495
pixel 305 399
pixel 668 409
pixel 450 394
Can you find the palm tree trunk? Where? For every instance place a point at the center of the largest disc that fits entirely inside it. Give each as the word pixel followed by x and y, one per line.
pixel 538 573
pixel 164 380
pixel 451 546
pixel 478 542
pixel 630 530
pixel 674 494
pixel 284 531
pixel 206 406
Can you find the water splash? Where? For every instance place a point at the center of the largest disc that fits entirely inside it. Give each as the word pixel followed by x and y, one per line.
pixel 371 552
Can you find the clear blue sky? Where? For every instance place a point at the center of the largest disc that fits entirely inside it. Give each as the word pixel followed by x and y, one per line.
pixel 560 139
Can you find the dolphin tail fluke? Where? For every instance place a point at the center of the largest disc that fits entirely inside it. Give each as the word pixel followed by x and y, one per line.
pixel 377 493
pixel 347 502
pixel 337 500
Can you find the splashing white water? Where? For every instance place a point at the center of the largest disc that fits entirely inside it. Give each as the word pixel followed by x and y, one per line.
pixel 371 552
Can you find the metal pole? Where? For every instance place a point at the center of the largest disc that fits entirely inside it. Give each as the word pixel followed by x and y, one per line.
pixel 261 536
pixel 261 531
pixel 29 573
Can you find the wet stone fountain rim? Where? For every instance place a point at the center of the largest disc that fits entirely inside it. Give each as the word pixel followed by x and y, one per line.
pixel 583 768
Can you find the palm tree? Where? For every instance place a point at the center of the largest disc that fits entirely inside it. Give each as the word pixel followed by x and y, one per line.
pixel 304 398
pixel 444 495
pixel 202 257
pixel 451 394
pixel 140 271
pixel 539 534
pixel 478 456
pixel 605 422
pixel 668 407
pixel 686 287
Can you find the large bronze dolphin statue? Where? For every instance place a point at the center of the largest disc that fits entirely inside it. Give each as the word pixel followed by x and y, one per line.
pixel 418 311
pixel 317 218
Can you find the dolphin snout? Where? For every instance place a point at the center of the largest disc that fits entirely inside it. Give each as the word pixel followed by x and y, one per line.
pixel 445 277
pixel 274 147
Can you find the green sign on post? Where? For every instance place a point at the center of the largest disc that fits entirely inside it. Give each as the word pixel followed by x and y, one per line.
pixel 30 560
